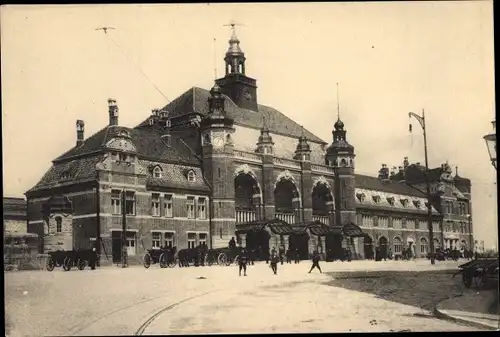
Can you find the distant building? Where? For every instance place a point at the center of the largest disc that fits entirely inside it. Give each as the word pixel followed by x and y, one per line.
pixel 14 215
pixel 215 164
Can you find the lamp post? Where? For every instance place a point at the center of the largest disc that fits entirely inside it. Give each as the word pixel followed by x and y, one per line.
pixel 491 143
pixel 469 229
pixel 421 120
pixel 124 231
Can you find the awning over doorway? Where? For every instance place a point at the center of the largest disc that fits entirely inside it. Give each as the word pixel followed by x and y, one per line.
pixel 352 230
pixel 276 226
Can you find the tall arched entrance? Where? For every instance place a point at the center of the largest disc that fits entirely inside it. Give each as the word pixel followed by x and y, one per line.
pixel 383 244
pixel 322 202
pixel 368 247
pixel 299 242
pixel 247 197
pixel 257 243
pixel 334 249
pixel 287 200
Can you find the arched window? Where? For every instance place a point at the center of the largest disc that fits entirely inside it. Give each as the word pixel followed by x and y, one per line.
pixel 424 246
pixel 191 176
pixel 343 163
pixel 123 133
pixel 398 245
pixel 58 224
pixel 157 172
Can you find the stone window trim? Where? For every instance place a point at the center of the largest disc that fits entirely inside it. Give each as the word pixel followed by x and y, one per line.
pixel 58 220
pixel 116 201
pixel 191 176
pixel 424 245
pixel 157 172
pixel 201 208
pixel 163 236
pixel 376 198
pixel 190 207
pixel 398 245
pixel 404 202
pixel 391 200
pixel 130 202
pixel 155 204
pixel 168 199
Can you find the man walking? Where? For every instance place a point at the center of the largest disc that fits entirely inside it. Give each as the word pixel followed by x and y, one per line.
pixel 242 261
pixel 315 261
pixel 274 261
pixel 297 256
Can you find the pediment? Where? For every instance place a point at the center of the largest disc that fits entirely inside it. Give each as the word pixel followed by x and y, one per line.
pixel 122 144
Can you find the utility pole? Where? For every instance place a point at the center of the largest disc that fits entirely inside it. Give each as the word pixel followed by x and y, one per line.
pixel 124 231
pixel 421 120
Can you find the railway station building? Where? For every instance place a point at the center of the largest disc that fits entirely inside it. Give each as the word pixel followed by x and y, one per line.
pixel 216 164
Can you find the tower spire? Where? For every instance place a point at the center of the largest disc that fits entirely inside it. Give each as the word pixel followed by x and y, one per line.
pixel 235 58
pixel 338 102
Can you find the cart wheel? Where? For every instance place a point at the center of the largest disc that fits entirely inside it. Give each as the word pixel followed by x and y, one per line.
pixel 163 261
pixel 222 259
pixel 81 264
pixel 467 280
pixel 67 264
pixel 50 264
pixel 147 261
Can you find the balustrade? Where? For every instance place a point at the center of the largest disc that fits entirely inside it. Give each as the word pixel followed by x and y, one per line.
pixel 243 216
pixel 321 218
pixel 247 155
pixel 287 217
pixel 322 168
pixel 287 162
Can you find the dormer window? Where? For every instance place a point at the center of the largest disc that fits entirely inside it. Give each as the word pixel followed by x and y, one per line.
pixel 404 202
pixel 168 123
pixel 66 175
pixel 123 133
pixel 191 176
pixel 157 172
pixel 376 198
pixel 391 200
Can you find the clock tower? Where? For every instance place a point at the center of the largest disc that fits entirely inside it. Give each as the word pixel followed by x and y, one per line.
pixel 217 150
pixel 235 84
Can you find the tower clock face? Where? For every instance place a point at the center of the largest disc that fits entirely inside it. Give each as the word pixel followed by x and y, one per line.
pixel 218 141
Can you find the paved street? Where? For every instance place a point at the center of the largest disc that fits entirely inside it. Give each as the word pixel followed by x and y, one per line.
pixel 109 301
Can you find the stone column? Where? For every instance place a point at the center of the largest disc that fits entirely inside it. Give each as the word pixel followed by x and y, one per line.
pixel 306 191
pixel 286 241
pixel 243 238
pixel 268 186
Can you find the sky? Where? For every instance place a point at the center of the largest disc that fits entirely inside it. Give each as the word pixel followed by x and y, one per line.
pixel 388 58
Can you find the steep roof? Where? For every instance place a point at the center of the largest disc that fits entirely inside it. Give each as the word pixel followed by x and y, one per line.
pixel 148 142
pixel 196 100
pixel 374 183
pixel 14 207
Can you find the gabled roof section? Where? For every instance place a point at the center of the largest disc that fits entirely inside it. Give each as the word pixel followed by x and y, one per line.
pixel 68 173
pixel 373 183
pixel 196 100
pixel 148 143
pixel 175 176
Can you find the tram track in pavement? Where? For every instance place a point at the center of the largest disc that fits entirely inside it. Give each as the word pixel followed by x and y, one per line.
pixel 74 330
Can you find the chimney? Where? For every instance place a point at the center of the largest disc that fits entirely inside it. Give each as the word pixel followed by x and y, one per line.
pixel 80 126
pixel 113 112
pixel 383 173
pixel 406 163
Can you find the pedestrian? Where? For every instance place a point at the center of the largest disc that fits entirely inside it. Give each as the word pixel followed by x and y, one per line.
pixel 315 261
pixel 274 261
pixel 242 262
pixel 297 256
pixel 288 255
pixel 281 253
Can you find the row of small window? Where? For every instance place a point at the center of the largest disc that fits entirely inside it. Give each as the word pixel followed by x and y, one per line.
pixel 461 208
pixel 158 173
pixel 368 221
pixel 462 228
pixel 398 245
pixel 168 205
pixel 391 200
pixel 167 239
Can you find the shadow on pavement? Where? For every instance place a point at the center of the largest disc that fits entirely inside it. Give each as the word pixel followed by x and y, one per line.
pixel 418 289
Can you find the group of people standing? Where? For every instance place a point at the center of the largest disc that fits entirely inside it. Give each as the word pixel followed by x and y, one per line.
pixel 273 258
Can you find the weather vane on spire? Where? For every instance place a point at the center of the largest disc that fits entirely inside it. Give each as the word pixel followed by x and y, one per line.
pixel 232 24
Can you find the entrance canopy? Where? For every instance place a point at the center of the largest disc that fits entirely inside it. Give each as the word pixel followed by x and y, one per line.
pixel 280 227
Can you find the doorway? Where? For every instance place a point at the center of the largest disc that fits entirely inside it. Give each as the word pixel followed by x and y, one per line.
pixel 368 247
pixel 258 242
pixel 116 245
pixel 334 249
pixel 383 245
pixel 300 242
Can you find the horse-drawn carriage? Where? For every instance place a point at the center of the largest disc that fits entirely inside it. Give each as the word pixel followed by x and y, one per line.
pixel 480 271
pixel 166 257
pixel 222 256
pixel 79 258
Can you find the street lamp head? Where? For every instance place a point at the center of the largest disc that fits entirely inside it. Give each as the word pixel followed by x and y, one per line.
pixel 491 143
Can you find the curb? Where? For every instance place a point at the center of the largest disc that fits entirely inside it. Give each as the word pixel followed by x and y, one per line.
pixel 441 315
